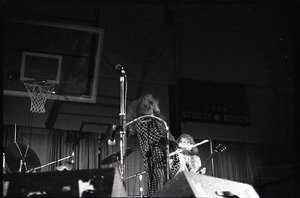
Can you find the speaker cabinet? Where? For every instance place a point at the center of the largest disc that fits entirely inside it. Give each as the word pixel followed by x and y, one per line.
pixel 82 183
pixel 187 184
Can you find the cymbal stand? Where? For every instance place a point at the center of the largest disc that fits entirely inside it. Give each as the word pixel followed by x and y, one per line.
pixel 22 161
pixel 36 168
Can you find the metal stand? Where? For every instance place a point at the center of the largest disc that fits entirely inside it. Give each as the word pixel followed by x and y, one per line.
pixel 140 175
pixel 122 120
pixel 36 168
pixel 140 183
pixel 3 162
pixel 212 160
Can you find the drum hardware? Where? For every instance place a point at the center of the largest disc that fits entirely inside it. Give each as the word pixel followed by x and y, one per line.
pixel 20 157
pixel 115 157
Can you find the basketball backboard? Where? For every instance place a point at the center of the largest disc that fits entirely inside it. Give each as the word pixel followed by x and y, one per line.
pixel 68 55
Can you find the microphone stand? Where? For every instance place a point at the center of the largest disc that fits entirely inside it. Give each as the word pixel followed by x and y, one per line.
pixel 140 175
pixel 122 123
pixel 36 168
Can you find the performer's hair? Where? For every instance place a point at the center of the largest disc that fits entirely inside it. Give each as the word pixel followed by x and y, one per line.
pixel 190 139
pixel 142 106
pixel 186 136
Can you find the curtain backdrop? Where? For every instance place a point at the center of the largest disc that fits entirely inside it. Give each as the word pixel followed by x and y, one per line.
pixel 51 145
pixel 240 162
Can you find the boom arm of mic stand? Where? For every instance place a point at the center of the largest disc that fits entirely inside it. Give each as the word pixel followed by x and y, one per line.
pixel 36 168
pixel 145 116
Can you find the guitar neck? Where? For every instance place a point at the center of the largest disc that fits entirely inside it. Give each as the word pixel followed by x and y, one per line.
pixel 219 148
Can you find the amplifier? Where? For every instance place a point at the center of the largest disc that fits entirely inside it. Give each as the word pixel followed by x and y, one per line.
pixel 188 184
pixel 105 182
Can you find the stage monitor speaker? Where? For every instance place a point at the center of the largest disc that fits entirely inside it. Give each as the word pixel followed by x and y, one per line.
pixel 187 184
pixel 104 182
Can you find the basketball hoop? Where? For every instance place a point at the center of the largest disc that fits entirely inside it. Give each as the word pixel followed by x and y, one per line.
pixel 39 91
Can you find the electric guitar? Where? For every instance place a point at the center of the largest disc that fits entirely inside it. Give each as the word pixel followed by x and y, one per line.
pixel 219 148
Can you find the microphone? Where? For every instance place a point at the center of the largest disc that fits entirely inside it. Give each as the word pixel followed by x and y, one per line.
pixel 111 140
pixel 120 68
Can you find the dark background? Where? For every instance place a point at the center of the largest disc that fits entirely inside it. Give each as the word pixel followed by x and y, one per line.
pixel 214 57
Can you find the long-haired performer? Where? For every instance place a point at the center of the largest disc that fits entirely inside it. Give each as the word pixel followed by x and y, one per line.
pixel 190 154
pixel 152 136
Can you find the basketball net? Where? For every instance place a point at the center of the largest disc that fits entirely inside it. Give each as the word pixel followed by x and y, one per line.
pixel 39 91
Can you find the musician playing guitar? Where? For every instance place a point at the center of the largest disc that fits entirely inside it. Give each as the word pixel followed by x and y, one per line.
pixel 190 158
